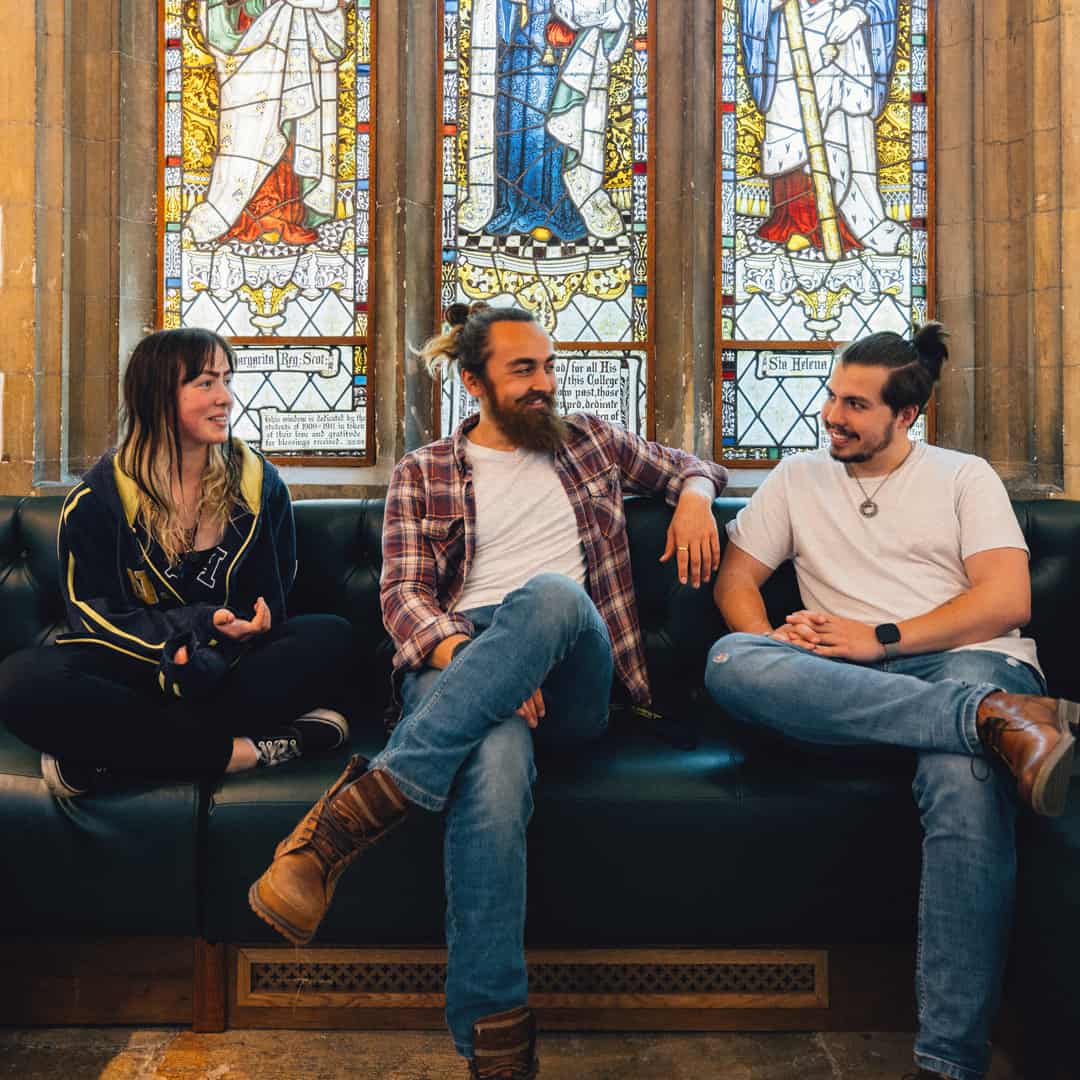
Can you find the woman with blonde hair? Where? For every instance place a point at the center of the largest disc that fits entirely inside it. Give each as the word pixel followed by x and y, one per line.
pixel 177 554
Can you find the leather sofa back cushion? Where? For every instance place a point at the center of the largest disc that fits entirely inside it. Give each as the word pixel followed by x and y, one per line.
pixel 339 547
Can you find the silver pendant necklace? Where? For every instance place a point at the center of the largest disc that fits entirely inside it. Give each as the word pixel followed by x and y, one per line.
pixel 868 507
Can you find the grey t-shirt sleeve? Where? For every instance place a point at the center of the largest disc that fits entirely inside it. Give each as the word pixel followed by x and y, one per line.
pixel 762 528
pixel 987 519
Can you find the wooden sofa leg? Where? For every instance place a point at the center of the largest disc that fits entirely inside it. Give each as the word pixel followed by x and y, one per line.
pixel 208 987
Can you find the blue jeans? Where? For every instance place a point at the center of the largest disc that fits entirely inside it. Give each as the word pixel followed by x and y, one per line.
pixel 460 747
pixel 968 810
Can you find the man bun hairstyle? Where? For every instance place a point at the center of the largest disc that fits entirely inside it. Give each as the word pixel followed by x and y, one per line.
pixel 915 363
pixel 465 340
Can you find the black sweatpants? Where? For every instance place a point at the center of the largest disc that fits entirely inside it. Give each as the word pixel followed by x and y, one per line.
pixel 91 704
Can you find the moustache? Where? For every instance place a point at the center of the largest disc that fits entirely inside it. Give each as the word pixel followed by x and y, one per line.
pixel 528 399
pixel 841 431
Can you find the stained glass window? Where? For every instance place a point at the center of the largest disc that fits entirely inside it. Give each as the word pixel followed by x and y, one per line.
pixel 265 160
pixel 544 160
pixel 823 138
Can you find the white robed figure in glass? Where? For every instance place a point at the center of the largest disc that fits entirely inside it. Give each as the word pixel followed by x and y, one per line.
pixel 275 172
pixel 851 45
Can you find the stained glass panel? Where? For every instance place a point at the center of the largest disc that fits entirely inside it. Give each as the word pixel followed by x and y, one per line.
pixel 771 402
pixel 823 201
pixel 266 148
pixel 544 160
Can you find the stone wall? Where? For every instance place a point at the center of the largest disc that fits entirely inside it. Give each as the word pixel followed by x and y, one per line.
pixel 29 47
pixel 1006 146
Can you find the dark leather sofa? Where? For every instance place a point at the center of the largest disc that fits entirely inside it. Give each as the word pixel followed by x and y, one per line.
pixel 678 830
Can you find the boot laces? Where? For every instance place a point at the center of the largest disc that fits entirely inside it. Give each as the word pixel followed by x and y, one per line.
pixel 995 728
pixel 276 750
pixel 324 834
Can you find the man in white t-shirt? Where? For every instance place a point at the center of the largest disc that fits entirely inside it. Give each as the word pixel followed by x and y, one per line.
pixel 914 575
pixel 507 588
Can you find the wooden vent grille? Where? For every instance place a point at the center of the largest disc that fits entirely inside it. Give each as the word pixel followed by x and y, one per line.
pixel 381 978
pixel 277 977
pixel 689 978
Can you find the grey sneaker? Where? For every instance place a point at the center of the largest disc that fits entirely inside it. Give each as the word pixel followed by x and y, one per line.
pixel 69 779
pixel 321 730
pixel 316 732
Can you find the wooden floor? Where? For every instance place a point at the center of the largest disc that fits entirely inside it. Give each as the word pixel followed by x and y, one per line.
pixel 173 1054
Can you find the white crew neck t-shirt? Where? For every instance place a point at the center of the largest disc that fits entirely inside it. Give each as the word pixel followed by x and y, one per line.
pixel 937 509
pixel 525 525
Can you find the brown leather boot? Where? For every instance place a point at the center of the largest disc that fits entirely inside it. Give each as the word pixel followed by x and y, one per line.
pixel 1032 736
pixel 295 892
pixel 504 1046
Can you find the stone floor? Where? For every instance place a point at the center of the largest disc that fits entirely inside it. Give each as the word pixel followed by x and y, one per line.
pixel 173 1054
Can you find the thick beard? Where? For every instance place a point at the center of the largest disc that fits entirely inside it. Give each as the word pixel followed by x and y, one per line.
pixel 542 430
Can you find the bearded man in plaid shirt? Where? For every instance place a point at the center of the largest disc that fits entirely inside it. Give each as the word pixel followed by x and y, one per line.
pixel 506 587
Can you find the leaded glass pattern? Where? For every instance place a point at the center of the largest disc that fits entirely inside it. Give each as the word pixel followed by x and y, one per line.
pixel 266 159
pixel 544 163
pixel 771 402
pixel 823 201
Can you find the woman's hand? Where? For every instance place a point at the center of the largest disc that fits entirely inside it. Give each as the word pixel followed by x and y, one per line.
pixel 232 627
pixel 242 629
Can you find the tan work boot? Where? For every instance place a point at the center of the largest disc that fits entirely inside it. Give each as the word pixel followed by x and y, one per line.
pixel 1032 735
pixel 295 892
pixel 504 1046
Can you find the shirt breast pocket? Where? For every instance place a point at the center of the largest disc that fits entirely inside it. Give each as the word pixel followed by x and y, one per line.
pixel 445 537
pixel 605 498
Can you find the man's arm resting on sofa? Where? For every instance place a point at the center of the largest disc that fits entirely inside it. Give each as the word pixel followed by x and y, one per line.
pixel 692 535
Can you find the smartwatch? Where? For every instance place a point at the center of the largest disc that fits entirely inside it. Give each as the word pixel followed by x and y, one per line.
pixel 888 635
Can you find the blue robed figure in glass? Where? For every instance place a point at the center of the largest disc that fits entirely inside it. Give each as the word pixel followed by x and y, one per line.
pixel 538 112
pixel 529 162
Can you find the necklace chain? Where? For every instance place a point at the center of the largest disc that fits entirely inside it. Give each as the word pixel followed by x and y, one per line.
pixel 191 534
pixel 868 507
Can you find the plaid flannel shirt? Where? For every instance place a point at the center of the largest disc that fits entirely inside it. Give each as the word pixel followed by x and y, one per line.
pixel 429 534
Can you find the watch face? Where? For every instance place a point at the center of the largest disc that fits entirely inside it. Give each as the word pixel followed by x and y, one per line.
pixel 887 633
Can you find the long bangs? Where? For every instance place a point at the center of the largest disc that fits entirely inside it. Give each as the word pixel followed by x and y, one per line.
pixel 150 452
pixel 199 355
